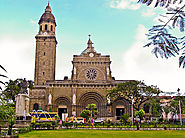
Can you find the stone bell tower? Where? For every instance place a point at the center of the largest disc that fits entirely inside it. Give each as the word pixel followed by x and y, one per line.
pixel 45 57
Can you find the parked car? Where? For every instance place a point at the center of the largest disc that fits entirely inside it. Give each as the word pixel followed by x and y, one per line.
pixel 99 120
pixel 80 120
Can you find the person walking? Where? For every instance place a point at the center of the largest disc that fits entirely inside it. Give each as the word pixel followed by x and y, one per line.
pixel 66 119
pixel 92 122
pixel 75 121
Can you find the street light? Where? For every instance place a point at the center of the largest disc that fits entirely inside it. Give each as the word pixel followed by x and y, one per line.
pixel 178 90
pixel 132 109
pixel 180 112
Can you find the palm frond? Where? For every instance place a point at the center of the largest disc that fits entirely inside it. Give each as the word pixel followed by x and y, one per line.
pixel 164 44
pixel 161 3
pixel 3 68
pixel 182 60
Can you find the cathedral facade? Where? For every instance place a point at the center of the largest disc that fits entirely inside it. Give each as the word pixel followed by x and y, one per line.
pixel 90 79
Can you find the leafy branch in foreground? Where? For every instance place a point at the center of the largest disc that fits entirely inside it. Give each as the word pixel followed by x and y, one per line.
pixel 164 43
pixel 1 75
pixel 161 3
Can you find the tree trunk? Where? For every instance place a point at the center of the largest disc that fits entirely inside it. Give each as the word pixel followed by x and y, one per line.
pixel 10 130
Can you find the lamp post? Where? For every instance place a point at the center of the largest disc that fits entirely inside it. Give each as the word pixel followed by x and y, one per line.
pixel 178 90
pixel 180 112
pixel 132 109
pixel 120 113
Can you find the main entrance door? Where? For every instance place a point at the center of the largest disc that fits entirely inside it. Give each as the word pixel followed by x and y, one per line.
pixel 62 110
pixel 120 110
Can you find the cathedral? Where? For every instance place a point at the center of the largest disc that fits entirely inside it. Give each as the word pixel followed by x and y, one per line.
pixel 90 79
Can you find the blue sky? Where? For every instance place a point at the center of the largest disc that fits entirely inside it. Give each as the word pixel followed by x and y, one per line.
pixel 117 28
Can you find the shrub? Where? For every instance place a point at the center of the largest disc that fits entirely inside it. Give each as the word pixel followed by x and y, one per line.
pixel 24 130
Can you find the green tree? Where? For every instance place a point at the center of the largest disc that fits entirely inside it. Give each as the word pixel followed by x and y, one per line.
pixel 175 105
pixel 13 88
pixel 7 113
pixel 156 107
pixel 160 38
pixel 124 118
pixel 140 114
pixel 11 117
pixel 85 114
pixel 167 110
pixel 92 108
pixel 139 90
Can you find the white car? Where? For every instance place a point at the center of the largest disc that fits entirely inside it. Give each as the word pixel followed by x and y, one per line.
pixel 99 120
pixel 80 120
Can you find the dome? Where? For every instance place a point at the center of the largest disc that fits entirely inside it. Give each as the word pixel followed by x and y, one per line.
pixel 47 16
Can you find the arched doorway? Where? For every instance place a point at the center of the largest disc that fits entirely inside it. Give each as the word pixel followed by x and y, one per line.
pixel 36 106
pixel 120 106
pixel 92 98
pixel 63 106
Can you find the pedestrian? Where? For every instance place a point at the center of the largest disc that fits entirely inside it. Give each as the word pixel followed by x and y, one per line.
pixel 60 123
pixel 92 122
pixel 66 119
pixel 72 119
pixel 75 121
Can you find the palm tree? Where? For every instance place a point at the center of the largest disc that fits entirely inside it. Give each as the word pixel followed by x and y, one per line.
pixel 166 109
pixel 92 108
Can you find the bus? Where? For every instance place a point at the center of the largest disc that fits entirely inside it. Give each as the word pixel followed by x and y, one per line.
pixel 44 115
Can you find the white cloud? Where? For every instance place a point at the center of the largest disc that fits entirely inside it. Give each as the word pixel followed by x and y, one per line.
pixel 17 56
pixel 33 22
pixel 147 13
pixel 125 4
pixel 139 64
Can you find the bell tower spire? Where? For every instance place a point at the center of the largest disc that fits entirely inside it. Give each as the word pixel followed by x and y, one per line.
pixel 89 43
pixel 45 57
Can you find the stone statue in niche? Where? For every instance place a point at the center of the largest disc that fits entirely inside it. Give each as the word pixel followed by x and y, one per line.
pixel 74 99
pixel 49 98
pixel 74 70
pixel 108 100
pixel 108 70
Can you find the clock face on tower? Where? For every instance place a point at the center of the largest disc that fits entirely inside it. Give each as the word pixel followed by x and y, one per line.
pixel 45 33
pixel 91 74
pixel 91 55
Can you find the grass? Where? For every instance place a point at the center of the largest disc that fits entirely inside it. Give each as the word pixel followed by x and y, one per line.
pixel 71 133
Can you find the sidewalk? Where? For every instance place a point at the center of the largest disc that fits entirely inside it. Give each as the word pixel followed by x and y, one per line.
pixel 94 128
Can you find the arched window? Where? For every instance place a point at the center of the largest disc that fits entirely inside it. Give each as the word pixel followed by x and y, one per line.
pixel 36 106
pixel 41 28
pixel 51 27
pixel 46 27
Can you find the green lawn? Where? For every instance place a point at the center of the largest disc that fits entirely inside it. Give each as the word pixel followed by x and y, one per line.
pixel 104 134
